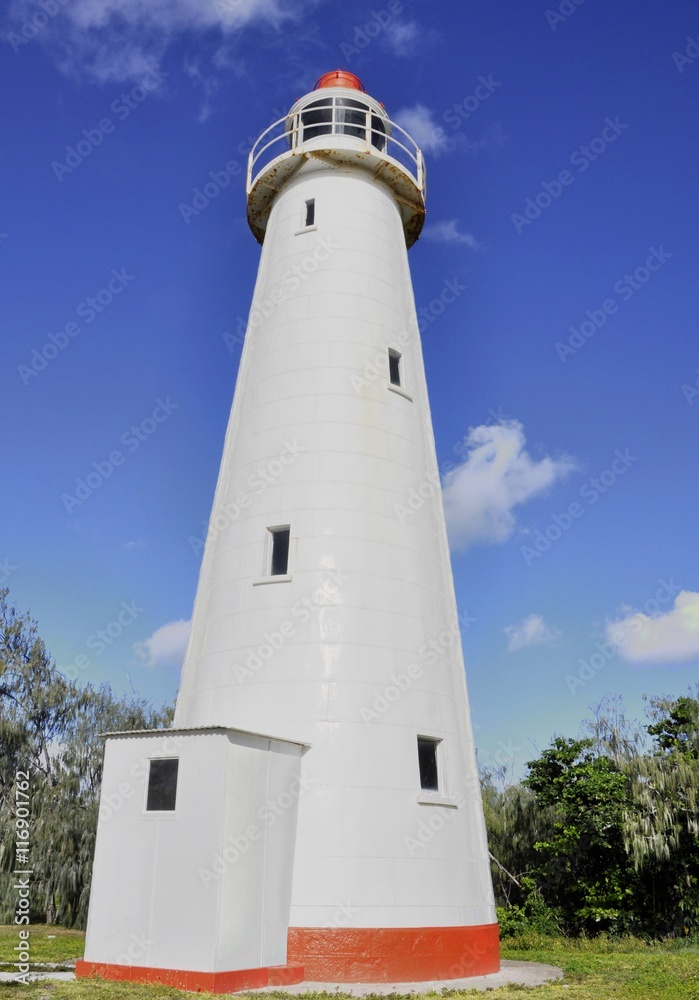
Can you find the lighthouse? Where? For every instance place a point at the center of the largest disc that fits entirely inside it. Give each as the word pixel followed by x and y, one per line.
pixel 316 804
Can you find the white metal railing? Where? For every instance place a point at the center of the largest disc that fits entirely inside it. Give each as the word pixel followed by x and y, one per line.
pixel 378 135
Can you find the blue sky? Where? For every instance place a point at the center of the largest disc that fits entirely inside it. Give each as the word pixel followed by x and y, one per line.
pixel 561 145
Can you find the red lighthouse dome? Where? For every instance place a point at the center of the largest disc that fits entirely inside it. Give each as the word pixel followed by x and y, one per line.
pixel 340 78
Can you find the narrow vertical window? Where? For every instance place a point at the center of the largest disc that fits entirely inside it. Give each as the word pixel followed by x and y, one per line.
pixel 310 212
pixel 427 760
pixel 279 561
pixel 394 366
pixel 162 784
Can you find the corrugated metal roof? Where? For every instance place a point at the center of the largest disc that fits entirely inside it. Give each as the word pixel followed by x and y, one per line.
pixel 204 729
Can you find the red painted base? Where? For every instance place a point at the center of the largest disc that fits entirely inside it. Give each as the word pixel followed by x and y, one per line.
pixel 198 982
pixel 340 955
pixel 393 954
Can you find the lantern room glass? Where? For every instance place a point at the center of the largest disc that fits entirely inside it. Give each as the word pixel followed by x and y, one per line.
pixel 342 116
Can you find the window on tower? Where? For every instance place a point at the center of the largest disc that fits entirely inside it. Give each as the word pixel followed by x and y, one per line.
pixel 162 784
pixel 427 761
pixel 279 558
pixel 394 366
pixel 310 216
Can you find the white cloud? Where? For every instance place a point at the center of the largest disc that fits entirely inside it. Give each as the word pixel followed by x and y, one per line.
pixel 403 37
pixel 492 140
pixel 167 646
pixel 449 232
pixel 172 16
pixel 225 58
pixel 496 475
pixel 533 631
pixel 419 123
pixel 121 40
pixel 672 637
pixel 207 82
pixel 133 545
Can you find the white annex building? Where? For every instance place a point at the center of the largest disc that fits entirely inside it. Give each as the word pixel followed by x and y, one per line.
pixel 314 813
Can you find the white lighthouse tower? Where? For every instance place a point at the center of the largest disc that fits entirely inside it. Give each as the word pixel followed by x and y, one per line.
pixel 325 614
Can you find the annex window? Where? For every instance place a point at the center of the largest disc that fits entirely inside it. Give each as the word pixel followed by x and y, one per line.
pixel 394 367
pixel 310 215
pixel 427 760
pixel 279 557
pixel 162 784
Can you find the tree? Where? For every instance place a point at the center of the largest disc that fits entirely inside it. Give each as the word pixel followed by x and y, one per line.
pixel 583 866
pixel 515 822
pixel 661 826
pixel 50 728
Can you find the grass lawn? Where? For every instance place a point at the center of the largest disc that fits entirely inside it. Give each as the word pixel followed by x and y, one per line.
pixel 47 944
pixel 594 970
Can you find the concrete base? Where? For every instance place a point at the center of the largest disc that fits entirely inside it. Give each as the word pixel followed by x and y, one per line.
pixel 511 973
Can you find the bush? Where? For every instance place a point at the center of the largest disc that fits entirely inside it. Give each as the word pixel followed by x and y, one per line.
pixel 533 916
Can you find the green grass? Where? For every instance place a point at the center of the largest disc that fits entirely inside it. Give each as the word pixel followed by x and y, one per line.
pixel 600 969
pixel 597 969
pixel 46 944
